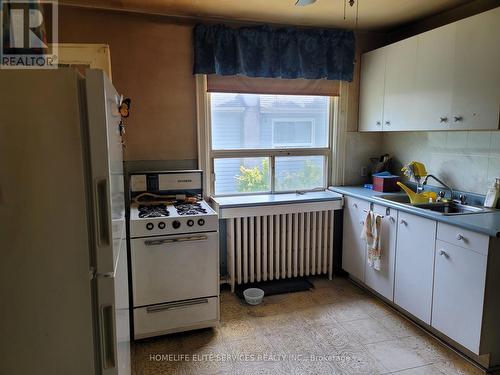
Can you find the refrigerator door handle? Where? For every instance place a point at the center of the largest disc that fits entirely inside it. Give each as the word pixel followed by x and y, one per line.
pixel 107 337
pixel 101 207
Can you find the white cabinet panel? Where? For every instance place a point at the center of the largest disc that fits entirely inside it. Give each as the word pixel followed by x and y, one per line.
pixel 353 247
pixel 464 238
pixel 434 78
pixel 476 83
pixel 459 282
pixel 444 79
pixel 371 91
pixel 414 265
pixel 399 97
pixel 383 281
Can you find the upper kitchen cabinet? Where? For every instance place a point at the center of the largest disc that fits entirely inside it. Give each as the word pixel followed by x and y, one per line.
pixel 476 81
pixel 434 78
pixel 371 90
pixel 400 85
pixel 444 79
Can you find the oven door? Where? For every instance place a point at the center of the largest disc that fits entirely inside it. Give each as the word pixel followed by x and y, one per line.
pixel 174 268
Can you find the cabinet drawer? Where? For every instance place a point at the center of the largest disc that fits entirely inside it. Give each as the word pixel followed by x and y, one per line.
pixel 175 317
pixel 462 237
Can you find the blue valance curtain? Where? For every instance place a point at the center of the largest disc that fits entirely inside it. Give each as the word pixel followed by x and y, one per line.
pixel 263 51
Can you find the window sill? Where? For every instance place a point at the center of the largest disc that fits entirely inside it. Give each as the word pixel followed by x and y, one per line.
pixel 265 204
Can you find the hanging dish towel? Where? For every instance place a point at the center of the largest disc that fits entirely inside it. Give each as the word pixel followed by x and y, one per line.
pixel 371 234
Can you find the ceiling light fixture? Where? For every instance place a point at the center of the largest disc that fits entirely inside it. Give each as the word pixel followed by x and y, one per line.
pixel 351 3
pixel 303 3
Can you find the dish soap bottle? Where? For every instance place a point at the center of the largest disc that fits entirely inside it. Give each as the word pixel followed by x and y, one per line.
pixel 493 194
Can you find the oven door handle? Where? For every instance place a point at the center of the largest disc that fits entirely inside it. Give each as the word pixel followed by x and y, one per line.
pixel 175 240
pixel 176 305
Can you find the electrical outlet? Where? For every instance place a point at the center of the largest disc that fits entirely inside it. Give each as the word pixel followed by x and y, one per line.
pixel 364 171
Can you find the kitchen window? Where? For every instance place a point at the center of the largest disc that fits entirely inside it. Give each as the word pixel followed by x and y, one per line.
pixel 261 143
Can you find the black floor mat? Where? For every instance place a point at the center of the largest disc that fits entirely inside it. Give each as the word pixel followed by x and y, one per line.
pixel 277 286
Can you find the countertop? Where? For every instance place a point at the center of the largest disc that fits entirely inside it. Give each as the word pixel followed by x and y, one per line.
pixel 273 199
pixel 486 223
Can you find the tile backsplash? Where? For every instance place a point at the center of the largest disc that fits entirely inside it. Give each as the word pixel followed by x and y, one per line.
pixel 467 160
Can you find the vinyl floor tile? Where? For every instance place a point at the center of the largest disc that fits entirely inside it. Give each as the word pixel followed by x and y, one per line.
pixel 337 328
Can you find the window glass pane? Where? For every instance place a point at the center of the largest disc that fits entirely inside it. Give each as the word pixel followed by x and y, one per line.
pixel 252 121
pixel 242 175
pixel 299 172
pixel 293 133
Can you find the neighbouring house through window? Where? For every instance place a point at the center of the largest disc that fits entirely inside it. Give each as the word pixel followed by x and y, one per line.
pixel 268 143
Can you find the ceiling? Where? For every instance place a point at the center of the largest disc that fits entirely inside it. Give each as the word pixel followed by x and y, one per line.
pixel 373 14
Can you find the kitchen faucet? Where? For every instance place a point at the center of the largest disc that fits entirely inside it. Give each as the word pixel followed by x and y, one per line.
pixel 420 185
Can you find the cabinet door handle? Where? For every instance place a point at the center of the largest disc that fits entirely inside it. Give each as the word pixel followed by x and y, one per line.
pixel 403 222
pixel 460 237
pixel 355 205
pixel 443 119
pixel 443 254
pixel 457 118
pixel 388 123
pixel 378 123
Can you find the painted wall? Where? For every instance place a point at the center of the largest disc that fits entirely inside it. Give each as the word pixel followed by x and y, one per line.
pixel 360 147
pixel 151 60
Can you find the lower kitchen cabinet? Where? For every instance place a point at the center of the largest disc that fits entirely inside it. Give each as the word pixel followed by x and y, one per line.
pixel 459 286
pixel 353 247
pixel 415 265
pixel 382 281
pixel 447 277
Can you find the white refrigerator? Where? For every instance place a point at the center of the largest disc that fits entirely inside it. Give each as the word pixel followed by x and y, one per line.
pixel 64 304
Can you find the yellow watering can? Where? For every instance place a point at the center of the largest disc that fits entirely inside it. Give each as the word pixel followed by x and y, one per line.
pixel 418 198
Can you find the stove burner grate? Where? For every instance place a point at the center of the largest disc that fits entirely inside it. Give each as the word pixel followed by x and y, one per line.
pixel 154 210
pixel 190 209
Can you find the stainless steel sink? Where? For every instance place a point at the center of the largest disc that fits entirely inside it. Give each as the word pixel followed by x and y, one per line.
pixel 442 208
pixel 452 208
pixel 395 198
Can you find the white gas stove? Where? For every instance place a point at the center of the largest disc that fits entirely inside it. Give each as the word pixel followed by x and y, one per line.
pixel 159 219
pixel 174 254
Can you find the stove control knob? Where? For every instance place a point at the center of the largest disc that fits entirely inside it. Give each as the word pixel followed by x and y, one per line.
pixel 149 226
pixel 161 225
pixel 190 223
pixel 201 222
pixel 176 224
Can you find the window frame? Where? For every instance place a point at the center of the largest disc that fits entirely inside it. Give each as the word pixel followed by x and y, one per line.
pixel 206 155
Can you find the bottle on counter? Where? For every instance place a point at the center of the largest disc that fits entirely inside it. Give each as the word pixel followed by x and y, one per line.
pixel 493 194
